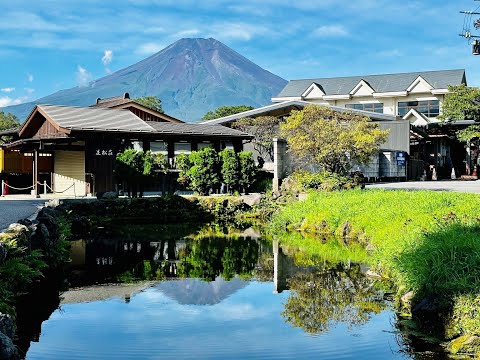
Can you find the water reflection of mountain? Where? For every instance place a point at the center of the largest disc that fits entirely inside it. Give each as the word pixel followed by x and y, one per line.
pixel 200 292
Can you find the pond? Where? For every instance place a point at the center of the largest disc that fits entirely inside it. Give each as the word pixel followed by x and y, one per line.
pixel 213 293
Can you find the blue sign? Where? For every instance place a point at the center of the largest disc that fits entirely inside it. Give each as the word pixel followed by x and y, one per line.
pixel 401 159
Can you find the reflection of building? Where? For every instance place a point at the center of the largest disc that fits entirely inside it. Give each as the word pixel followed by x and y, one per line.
pixel 103 260
pixel 279 268
pixel 284 268
pixel 169 251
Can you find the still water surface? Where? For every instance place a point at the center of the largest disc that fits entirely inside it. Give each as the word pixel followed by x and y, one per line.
pixel 211 296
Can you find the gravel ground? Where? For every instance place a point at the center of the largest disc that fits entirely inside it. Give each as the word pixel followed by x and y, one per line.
pixel 13 210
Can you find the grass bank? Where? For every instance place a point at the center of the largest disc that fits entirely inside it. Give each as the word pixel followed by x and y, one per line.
pixel 427 243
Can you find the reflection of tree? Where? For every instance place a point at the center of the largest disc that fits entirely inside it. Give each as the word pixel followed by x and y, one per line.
pixel 209 257
pixel 264 269
pixel 332 295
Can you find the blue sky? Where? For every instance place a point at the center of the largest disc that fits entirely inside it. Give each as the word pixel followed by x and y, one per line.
pixel 51 45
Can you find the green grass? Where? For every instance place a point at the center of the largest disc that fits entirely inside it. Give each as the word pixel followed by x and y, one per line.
pixel 425 241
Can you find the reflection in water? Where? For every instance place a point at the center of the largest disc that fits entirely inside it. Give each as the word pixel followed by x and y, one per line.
pixel 208 270
pixel 206 257
pixel 331 295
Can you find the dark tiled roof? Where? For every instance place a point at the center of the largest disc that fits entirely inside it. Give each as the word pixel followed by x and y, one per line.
pixel 285 107
pixel 121 101
pixel 380 83
pixel 99 119
pixel 196 130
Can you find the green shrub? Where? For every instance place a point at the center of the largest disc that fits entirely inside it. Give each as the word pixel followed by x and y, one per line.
pixel 204 170
pixel 248 170
pixel 230 169
pixel 302 180
pixel 183 164
pixel 204 174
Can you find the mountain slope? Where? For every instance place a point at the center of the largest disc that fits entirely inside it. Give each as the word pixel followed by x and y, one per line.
pixel 191 77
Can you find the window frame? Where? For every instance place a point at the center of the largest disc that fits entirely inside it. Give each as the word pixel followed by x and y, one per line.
pixel 355 106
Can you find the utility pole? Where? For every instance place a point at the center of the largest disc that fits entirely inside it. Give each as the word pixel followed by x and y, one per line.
pixel 466 31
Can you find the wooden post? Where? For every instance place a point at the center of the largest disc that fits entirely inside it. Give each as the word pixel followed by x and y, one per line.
pixel 35 173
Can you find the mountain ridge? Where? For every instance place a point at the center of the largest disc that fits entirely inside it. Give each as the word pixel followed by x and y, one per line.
pixel 191 76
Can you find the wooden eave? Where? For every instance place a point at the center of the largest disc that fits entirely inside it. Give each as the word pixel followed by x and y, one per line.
pixel 147 110
pixel 38 110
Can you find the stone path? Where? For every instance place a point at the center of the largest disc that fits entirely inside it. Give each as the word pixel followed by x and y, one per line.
pixel 457 186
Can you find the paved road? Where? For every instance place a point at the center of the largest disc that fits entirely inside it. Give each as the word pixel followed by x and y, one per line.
pixel 14 210
pixel 457 186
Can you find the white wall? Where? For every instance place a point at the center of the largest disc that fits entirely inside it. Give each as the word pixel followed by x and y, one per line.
pixel 390 104
pixel 69 169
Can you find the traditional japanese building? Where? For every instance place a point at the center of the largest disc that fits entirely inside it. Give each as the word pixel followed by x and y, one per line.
pixel 73 149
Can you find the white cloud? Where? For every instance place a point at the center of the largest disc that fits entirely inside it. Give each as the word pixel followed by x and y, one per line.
pixel 29 77
pixel 187 33
pixel 7 89
pixel 27 21
pixel 7 101
pixel 154 30
pixel 239 31
pixel 107 57
pixel 149 48
pixel 331 31
pixel 29 91
pixel 83 76
pixel 390 53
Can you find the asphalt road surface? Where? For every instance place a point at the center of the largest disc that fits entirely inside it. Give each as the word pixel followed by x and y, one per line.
pixel 456 186
pixel 13 210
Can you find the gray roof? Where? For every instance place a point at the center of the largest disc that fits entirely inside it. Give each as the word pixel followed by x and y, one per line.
pixel 112 102
pixel 99 119
pixel 380 83
pixel 196 130
pixel 285 107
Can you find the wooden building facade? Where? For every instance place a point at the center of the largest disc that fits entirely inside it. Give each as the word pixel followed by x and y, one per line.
pixel 73 149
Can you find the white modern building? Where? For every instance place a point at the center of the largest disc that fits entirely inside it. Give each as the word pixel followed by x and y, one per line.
pixel 415 96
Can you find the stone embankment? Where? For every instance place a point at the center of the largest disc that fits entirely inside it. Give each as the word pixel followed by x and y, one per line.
pixel 29 250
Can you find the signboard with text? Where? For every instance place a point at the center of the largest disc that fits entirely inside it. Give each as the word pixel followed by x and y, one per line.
pixel 401 159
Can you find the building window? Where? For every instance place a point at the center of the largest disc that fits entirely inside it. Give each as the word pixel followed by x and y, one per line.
pixel 429 108
pixel 137 145
pixel 226 145
pixel 182 148
pixel 203 145
pixel 159 147
pixel 373 107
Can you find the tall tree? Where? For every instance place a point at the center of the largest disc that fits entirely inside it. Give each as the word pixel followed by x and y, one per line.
pixel 264 128
pixel 151 102
pixel 225 111
pixel 332 140
pixel 7 121
pixel 462 103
